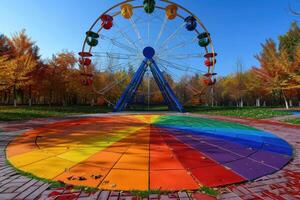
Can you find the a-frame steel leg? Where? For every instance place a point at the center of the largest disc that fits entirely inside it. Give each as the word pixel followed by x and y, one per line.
pixel 161 82
pixel 170 96
pixel 130 91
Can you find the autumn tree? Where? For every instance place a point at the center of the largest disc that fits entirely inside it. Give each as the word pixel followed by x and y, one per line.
pixel 21 60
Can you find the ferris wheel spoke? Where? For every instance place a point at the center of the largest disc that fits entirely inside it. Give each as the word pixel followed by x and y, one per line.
pixel 182 56
pixel 180 67
pixel 172 36
pixel 119 66
pixel 138 33
pixel 119 44
pixel 127 38
pixel 166 70
pixel 187 84
pixel 161 31
pixel 114 83
pixel 114 55
pixel 111 56
pixel 178 46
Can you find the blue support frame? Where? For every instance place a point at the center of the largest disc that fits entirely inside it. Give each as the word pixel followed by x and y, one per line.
pixel 130 91
pixel 164 87
pixel 174 103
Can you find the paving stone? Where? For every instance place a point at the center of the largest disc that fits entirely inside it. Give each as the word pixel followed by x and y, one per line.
pixel 104 195
pixel 38 192
pixel 10 189
pixel 26 186
pixel 94 195
pixel 7 196
pixel 183 195
pixel 26 192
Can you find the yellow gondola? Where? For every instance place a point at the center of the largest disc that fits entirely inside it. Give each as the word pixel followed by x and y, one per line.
pixel 126 11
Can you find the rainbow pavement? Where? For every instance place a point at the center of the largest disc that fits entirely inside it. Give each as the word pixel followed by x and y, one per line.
pixel 142 152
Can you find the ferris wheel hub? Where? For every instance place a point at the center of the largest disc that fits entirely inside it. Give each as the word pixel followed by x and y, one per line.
pixel 149 52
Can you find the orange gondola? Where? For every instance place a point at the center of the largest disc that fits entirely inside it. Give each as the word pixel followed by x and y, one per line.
pixel 126 11
pixel 171 11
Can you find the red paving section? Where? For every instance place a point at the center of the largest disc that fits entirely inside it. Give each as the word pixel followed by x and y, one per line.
pixel 204 169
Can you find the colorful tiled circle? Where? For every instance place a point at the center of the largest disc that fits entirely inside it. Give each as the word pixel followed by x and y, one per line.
pixel 142 152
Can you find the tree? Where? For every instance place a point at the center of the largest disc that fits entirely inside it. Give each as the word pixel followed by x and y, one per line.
pixel 274 69
pixel 20 59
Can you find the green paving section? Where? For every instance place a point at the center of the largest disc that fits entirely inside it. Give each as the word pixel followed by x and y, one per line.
pixel 198 123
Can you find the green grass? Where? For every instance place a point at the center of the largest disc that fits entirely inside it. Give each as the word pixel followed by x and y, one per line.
pixel 10 113
pixel 294 121
pixel 209 191
pixel 249 112
pixel 145 108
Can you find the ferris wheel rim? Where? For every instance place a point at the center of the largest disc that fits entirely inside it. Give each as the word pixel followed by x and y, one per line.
pixel 161 8
pixel 210 69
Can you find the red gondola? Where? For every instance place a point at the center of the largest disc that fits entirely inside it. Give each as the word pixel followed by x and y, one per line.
pixel 210 55
pixel 87 74
pixel 210 62
pixel 210 74
pixel 107 21
pixel 85 61
pixel 209 81
pixel 85 54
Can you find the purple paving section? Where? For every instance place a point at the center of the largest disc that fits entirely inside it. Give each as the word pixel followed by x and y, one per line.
pixel 228 154
pixel 284 184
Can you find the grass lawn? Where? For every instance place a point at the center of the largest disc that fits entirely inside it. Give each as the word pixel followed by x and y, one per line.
pixel 10 113
pixel 145 108
pixel 250 112
pixel 294 121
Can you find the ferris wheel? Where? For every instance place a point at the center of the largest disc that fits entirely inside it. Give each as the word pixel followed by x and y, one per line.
pixel 137 42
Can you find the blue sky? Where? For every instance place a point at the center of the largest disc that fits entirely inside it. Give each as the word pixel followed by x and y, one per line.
pixel 238 27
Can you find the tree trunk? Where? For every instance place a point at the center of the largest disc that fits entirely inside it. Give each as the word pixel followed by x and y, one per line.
pixel 291 103
pixel 285 101
pixel 242 103
pixel 30 96
pixel 50 98
pixel 258 102
pixel 15 96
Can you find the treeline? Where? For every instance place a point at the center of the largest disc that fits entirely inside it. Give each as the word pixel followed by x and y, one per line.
pixel 274 82
pixel 25 78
